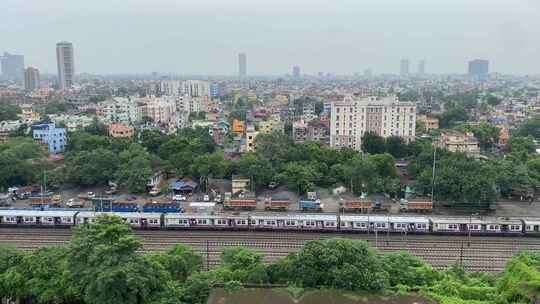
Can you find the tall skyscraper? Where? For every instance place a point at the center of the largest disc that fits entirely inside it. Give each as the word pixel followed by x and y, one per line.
pixel 31 79
pixel 421 67
pixel 66 64
pixel 404 67
pixel 296 72
pixel 242 65
pixel 479 69
pixel 12 66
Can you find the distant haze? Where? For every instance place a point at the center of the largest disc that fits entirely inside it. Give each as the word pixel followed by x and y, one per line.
pixel 337 36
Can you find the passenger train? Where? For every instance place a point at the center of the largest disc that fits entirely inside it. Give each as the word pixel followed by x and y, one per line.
pixel 281 221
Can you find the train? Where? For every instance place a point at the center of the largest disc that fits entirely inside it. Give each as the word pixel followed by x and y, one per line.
pixel 322 222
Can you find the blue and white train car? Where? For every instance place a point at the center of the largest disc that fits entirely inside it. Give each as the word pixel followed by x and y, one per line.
pixel 205 220
pixel 295 221
pixel 415 224
pixel 134 219
pixel 532 226
pixel 31 217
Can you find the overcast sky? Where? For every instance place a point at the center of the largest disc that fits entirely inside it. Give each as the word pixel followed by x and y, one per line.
pixel 338 36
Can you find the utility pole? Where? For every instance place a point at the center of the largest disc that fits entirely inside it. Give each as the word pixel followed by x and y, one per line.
pixel 207 255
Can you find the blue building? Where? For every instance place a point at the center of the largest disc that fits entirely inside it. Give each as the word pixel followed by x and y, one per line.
pixel 214 90
pixel 55 138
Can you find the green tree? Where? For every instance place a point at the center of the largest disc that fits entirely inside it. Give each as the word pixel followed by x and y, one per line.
pixel 373 143
pixel 531 127
pixel 91 167
pixel 396 146
pixel 9 112
pixel 338 263
pixel 84 141
pixel 108 268
pixel 406 269
pixel 298 177
pixel 452 116
pixel 520 144
pixel 134 169
pixel 520 282
pixel 493 100
pixel 256 167
pixel 180 262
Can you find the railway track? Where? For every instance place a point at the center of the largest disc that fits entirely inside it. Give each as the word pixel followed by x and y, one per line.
pixel 482 254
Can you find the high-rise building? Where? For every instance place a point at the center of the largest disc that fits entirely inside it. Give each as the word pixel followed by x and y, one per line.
pixel 66 64
pixel 31 79
pixel 12 66
pixel 215 90
pixel 404 67
pixel 421 67
pixel 196 88
pixel 296 72
pixel 478 69
pixel 351 118
pixel 242 65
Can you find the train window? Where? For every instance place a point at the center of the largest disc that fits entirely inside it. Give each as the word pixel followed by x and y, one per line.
pixel 182 222
pixel 201 222
pixel 253 222
pixel 310 223
pixel 528 227
pixel 241 222
pixel 48 219
pixel 330 224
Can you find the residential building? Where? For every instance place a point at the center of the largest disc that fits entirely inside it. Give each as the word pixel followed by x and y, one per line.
pixel 385 116
pixel 251 134
pixel 124 110
pixel 459 142
pixel 158 110
pixel 271 124
pixel 215 90
pixel 28 113
pixel 430 123
pixel 308 111
pixel 240 184
pixel 117 130
pixel 479 69
pixel 48 134
pixel 31 79
pixel 72 122
pixel 242 65
pixel 299 131
pixel 238 127
pixel 12 66
pixel 196 88
pixel 319 131
pixel 170 88
pixel 404 67
pixel 65 60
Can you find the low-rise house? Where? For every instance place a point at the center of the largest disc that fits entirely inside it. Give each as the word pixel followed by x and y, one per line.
pixel 430 123
pixel 459 142
pixel 48 134
pixel 118 130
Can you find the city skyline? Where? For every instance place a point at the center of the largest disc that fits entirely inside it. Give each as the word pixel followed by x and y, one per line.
pixel 497 30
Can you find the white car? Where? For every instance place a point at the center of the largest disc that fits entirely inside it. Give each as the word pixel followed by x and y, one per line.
pixel 206 198
pixel 91 194
pixel 179 197
pixel 72 203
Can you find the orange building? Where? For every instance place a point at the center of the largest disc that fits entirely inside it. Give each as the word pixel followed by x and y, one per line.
pixel 504 135
pixel 238 126
pixel 117 130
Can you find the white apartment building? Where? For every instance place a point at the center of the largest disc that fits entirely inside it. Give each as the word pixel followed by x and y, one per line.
pixel 170 87
pixel 120 109
pixel 354 116
pixel 159 110
pixel 196 88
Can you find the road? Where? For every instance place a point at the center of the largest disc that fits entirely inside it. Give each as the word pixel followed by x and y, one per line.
pixel 483 254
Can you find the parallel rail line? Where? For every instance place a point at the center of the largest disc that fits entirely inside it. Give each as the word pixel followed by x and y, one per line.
pixel 485 253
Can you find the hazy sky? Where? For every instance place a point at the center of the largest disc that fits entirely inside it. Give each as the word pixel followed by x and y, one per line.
pixel 339 36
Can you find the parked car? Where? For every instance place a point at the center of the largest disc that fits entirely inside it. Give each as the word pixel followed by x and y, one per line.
pixel 154 192
pixel 179 197
pixel 206 198
pixel 72 203
pixel 91 195
pixel 217 198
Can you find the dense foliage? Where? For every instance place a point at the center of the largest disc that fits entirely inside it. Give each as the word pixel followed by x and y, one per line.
pixel 9 112
pixel 102 264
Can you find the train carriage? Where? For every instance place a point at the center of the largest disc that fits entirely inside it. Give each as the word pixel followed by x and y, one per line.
pixel 37 217
pixel 416 224
pixel 502 225
pixel 219 221
pixel 456 225
pixel 295 222
pixel 531 226
pixel 134 219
